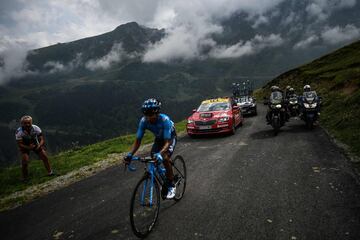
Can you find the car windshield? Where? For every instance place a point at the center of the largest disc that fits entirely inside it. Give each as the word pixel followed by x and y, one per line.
pixel 218 106
pixel 311 94
pixel 276 96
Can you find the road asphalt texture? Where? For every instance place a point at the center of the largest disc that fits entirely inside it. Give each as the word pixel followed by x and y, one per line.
pixel 252 185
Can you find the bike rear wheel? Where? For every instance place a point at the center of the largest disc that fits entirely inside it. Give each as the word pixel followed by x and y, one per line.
pixel 145 206
pixel 179 169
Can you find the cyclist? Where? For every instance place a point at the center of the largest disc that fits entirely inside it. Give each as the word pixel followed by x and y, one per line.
pixel 165 139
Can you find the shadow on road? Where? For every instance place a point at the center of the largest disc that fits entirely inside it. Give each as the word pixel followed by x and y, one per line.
pixel 289 128
pixel 264 134
pixel 201 138
pixel 299 128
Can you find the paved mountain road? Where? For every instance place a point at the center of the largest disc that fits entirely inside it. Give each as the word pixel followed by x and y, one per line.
pixel 252 185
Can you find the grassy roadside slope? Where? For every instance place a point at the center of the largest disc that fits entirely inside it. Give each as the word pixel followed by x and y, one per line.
pixel 69 161
pixel 336 77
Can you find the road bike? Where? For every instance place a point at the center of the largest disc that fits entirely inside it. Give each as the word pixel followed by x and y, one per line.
pixel 145 200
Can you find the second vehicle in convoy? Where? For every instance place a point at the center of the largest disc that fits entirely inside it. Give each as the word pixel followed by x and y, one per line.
pixel 215 116
pixel 247 105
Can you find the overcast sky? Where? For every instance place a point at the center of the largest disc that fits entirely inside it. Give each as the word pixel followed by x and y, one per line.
pixel 29 24
pixel 38 23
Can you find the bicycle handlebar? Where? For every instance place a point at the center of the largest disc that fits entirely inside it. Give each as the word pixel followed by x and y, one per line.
pixel 141 159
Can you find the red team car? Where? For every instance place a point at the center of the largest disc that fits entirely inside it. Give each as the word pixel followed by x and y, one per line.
pixel 219 115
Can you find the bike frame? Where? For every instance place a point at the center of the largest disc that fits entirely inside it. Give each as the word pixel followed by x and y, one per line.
pixel 155 171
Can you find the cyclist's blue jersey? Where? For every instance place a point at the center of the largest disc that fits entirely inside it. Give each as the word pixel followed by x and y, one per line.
pixel 162 129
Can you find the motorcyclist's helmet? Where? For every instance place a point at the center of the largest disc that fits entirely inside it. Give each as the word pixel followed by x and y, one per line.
pixel 307 88
pixel 291 90
pixel 274 88
pixel 151 106
pixel 288 88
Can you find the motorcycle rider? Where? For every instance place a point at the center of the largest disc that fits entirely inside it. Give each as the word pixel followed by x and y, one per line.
pixel 287 92
pixel 307 88
pixel 292 93
pixel 291 96
pixel 273 90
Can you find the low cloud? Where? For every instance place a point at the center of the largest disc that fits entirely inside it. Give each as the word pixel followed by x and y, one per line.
pixel 115 55
pixel 182 43
pixel 289 19
pixel 56 66
pixel 250 47
pixel 12 60
pixel 339 34
pixel 260 20
pixel 190 27
pixel 330 36
pixel 322 9
pixel 306 42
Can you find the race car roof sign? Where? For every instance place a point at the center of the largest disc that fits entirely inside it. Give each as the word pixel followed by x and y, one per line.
pixel 216 100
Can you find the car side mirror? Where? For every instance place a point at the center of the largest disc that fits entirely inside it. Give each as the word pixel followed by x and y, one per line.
pixel 194 110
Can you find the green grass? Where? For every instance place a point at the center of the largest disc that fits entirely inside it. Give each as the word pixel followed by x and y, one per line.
pixel 68 161
pixel 336 77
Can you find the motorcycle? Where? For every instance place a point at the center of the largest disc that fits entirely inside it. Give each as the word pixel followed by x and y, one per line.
pixel 293 106
pixel 277 112
pixel 310 108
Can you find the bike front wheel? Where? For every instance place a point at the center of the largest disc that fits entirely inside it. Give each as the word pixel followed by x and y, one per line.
pixel 179 169
pixel 145 205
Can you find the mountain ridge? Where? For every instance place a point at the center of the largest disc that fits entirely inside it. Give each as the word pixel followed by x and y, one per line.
pixel 91 89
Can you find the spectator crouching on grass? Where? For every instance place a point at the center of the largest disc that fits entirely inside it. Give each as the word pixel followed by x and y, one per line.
pixel 29 138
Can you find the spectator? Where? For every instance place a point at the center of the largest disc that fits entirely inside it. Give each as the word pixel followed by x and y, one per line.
pixel 29 138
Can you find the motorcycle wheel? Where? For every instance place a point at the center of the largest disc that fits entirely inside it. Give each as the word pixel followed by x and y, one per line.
pixel 310 124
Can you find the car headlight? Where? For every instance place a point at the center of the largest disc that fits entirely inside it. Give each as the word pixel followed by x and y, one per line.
pixel 190 121
pixel 306 105
pixel 314 105
pixel 223 119
pixel 253 105
pixel 278 106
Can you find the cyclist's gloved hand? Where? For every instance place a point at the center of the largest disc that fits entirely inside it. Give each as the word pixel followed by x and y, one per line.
pixel 158 157
pixel 127 158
